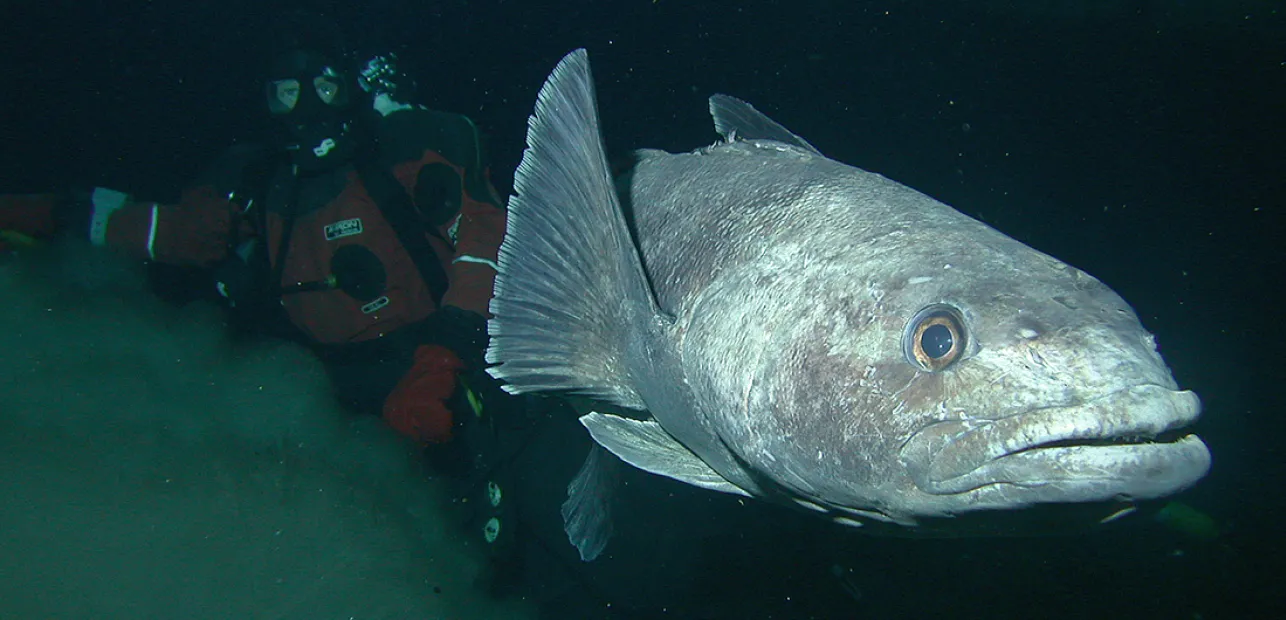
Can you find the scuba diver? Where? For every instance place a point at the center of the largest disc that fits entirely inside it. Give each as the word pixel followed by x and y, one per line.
pixel 369 232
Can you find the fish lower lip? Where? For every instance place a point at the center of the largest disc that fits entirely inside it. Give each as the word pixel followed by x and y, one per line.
pixel 1124 443
pixel 1084 472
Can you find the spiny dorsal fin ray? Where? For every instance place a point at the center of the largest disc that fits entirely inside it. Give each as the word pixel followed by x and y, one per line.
pixel 735 119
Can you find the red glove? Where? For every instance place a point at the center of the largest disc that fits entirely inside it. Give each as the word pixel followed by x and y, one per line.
pixel 27 216
pixel 417 407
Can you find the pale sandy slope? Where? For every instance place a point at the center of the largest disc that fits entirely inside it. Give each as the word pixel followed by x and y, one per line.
pixel 151 468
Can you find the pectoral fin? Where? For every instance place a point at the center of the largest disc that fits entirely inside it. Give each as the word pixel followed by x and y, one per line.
pixel 645 445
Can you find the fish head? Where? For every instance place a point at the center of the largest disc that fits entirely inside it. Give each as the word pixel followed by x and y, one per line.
pixel 954 371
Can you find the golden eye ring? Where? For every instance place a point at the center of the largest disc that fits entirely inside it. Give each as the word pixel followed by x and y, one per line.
pixel 935 338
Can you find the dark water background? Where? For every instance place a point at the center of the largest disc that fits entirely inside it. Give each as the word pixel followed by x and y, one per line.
pixel 1144 142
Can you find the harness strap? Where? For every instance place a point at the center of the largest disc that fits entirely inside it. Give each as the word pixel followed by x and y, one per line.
pixel 287 231
pixel 398 209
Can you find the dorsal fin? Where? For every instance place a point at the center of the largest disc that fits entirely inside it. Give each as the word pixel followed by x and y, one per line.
pixel 735 119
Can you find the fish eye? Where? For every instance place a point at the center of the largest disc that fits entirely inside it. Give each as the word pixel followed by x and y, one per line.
pixel 935 338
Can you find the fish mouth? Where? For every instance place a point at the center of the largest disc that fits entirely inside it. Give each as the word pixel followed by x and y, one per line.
pixel 1124 445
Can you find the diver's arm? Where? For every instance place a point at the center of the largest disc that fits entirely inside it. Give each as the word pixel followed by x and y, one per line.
pixel 193 231
pixel 478 232
pixel 442 166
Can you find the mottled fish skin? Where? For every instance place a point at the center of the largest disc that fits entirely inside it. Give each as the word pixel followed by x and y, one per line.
pixel 774 321
pixel 794 278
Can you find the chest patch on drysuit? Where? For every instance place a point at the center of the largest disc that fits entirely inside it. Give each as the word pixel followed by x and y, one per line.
pixel 344 228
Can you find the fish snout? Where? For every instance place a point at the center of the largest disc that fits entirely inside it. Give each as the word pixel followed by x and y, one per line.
pixel 1126 444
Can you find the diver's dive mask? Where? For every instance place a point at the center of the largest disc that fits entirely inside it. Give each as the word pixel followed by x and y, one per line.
pixel 313 98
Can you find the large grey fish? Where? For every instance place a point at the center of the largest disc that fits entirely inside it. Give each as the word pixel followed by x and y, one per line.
pixel 792 328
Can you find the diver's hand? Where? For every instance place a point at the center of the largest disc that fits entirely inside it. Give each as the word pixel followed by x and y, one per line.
pixel 465 333
pixel 419 407
pixel 389 87
pixel 27 219
pixel 380 75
